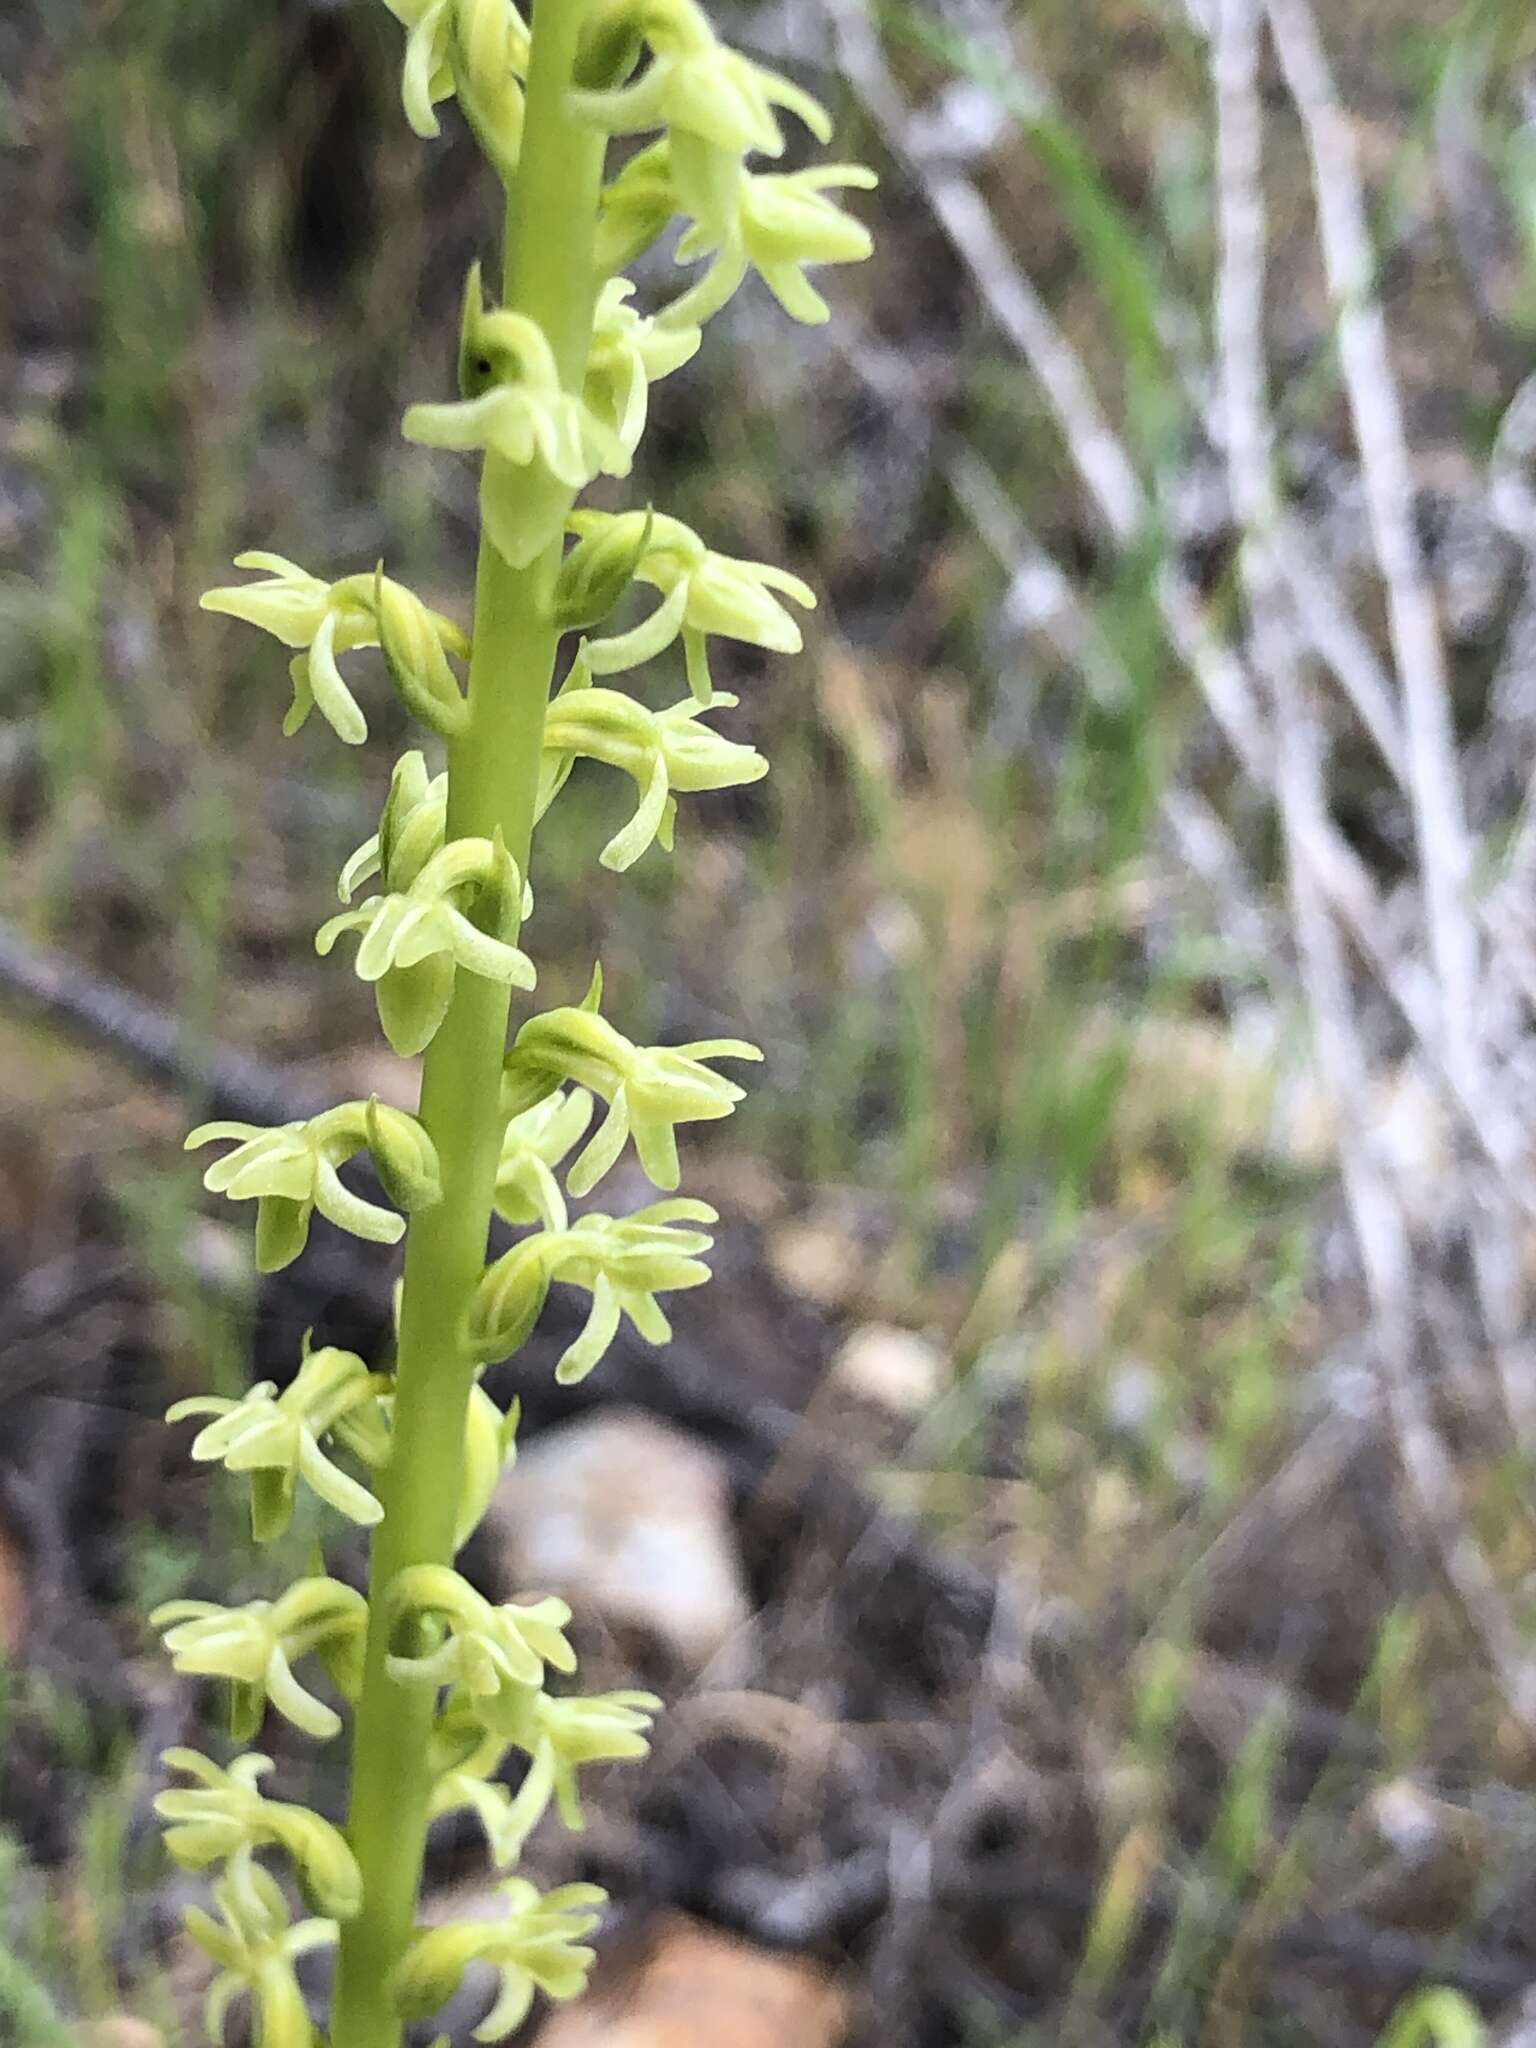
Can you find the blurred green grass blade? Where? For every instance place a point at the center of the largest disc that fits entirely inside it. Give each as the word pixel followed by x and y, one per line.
pixel 1117 256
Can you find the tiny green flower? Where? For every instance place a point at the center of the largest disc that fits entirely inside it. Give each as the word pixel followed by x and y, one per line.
pixel 415 939
pixel 490 1447
pixel 290 1171
pixel 477 48
pixel 488 1650
pixel 630 352
pixel 541 442
pixel 783 221
pixel 558 1737
pixel 277 1438
pixel 702 593
pixel 571 1732
pixel 772 222
pixel 649 1090
pixel 329 619
pixel 622 1262
pixel 256 1646
pixel 695 85
pixel 535 1947
pixel 224 1815
pixel 255 1946
pixel 661 751
pixel 532 1146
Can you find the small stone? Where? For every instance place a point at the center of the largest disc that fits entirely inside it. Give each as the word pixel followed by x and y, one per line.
pixel 817 1260
pixel 898 1370
pixel 630 1521
pixel 694 1987
pixel 120 2031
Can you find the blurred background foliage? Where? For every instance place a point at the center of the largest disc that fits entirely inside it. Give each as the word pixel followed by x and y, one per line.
pixel 1029 1096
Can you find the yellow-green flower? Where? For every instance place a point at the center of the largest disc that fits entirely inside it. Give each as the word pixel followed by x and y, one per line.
pixel 702 592
pixel 330 619
pixel 541 442
pixel 289 1171
pixel 255 1946
pixel 256 1646
pixel 696 85
pixel 463 909
pixel 223 1815
pixel 662 752
pixel 649 1089
pixel 535 1946
pixel 623 1262
pixel 278 1438
pixel 532 1146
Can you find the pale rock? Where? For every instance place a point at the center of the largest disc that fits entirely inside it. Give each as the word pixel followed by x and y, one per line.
pixel 818 1258
pixel 898 1370
pixel 120 2031
pixel 629 1520
pixel 695 1987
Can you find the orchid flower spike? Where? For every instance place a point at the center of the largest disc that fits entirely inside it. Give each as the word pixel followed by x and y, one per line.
pixel 541 442
pixel 702 593
pixel 463 909
pixel 223 1815
pixel 256 1646
pixel 278 1437
pixel 290 1171
pixel 255 1946
pixel 329 619
pixel 662 752
pixel 649 1090
pixel 535 1946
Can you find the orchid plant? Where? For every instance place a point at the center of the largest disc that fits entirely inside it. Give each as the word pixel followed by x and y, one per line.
pixel 450 1696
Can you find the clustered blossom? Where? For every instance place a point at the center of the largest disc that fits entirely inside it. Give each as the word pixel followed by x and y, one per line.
pixel 548 413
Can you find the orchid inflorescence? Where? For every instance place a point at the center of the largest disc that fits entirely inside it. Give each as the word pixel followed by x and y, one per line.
pixel 458 1699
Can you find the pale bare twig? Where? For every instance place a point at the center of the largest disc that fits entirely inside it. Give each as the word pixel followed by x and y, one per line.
pixel 1375 1207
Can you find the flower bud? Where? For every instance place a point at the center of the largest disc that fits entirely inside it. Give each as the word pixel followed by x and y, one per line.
pixel 413 653
pixel 490 1448
pixel 599 569
pixel 609 46
pixel 403 1156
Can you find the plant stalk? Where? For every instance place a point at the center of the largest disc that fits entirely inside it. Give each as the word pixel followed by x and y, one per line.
pixel 493 771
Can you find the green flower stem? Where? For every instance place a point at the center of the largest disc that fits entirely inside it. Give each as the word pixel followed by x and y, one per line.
pixel 493 771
